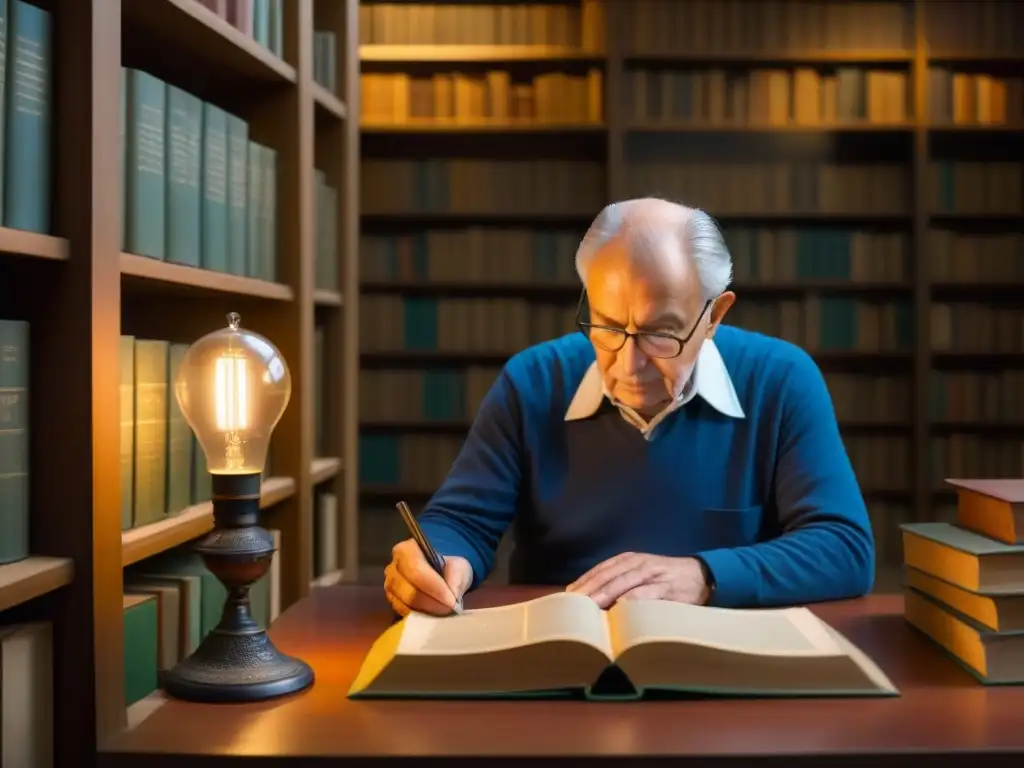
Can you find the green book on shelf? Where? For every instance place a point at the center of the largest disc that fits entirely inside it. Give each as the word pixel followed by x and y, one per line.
pixel 184 164
pixel 564 645
pixel 202 483
pixel 238 174
pixel 145 188
pixel 268 214
pixel 215 188
pixel 141 647
pixel 126 364
pixel 179 441
pixel 254 210
pixel 14 437
pixel 150 502
pixel 261 22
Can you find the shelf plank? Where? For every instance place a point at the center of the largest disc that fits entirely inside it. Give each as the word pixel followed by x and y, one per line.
pixel 326 298
pixel 206 37
pixel 328 102
pixel 21 243
pixel 324 468
pixel 198 280
pixel 482 53
pixel 143 708
pixel 34 576
pixel 139 543
pixel 690 127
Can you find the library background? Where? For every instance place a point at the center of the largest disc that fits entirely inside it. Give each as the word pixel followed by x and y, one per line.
pixel 393 194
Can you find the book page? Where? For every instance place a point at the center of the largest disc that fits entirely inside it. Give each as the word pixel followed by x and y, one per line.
pixel 560 616
pixel 780 632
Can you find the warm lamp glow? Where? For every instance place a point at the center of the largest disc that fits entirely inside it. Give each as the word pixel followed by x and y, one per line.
pixel 233 386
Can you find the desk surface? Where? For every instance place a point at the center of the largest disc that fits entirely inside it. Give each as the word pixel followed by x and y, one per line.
pixel 942 709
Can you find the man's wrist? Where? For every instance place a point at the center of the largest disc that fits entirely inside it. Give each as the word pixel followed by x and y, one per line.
pixel 710 585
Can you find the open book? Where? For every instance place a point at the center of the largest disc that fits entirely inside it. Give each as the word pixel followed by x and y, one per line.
pixel 564 644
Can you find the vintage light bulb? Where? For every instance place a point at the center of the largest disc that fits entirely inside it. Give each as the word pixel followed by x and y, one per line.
pixel 233 386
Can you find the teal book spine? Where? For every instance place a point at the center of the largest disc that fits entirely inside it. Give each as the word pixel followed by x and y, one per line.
pixel 319 253
pixel 29 108
pixel 122 168
pixel 3 91
pixel 215 189
pixel 254 211
pixel 179 440
pixel 238 175
pixel 184 195
pixel 127 393
pixel 268 198
pixel 261 22
pixel 14 437
pixel 146 191
pixel 331 238
pixel 275 33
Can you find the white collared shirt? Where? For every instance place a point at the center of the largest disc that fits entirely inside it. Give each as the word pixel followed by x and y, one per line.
pixel 710 380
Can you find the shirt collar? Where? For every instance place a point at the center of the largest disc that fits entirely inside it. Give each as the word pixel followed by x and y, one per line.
pixel 710 380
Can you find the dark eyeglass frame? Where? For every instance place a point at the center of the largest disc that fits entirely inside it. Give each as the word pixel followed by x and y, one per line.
pixel 681 342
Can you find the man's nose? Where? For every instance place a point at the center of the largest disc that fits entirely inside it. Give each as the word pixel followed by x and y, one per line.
pixel 632 358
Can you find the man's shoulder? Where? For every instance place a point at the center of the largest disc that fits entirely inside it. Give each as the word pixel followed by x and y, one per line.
pixel 549 373
pixel 756 359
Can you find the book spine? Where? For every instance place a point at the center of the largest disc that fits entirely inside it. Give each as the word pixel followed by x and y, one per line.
pixel 238 144
pixel 179 441
pixel 261 22
pixel 184 196
pixel 3 92
pixel 146 191
pixel 27 165
pixel 318 210
pixel 14 437
pixel 215 189
pixel 150 501
pixel 240 14
pixel 127 391
pixel 254 211
pixel 268 197
pixel 202 483
pixel 276 27
pixel 122 158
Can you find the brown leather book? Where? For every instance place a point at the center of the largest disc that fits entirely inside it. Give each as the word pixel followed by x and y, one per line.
pixel 993 508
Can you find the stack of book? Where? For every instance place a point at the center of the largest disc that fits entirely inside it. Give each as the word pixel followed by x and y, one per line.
pixel 965 580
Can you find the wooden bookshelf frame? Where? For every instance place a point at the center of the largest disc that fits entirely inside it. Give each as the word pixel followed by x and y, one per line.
pixel 80 293
pixel 616 60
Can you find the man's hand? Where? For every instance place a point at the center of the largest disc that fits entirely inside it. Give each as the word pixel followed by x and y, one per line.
pixel 410 584
pixel 633 576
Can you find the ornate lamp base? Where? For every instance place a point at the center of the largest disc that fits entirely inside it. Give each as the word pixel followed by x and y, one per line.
pixel 237 662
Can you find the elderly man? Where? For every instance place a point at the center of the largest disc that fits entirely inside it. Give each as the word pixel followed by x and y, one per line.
pixel 659 454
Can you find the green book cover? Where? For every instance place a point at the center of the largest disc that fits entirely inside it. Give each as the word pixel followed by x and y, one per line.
pixel 319 251
pixel 268 222
pixel 261 22
pixel 275 32
pixel 150 431
pixel 3 90
pixel 126 362
pixel 179 441
pixel 202 483
pixel 14 440
pixel 190 602
pixel 145 187
pixel 184 193
pixel 238 193
pixel 141 647
pixel 215 189
pixel 122 157
pixel 254 210
pixel 331 238
pixel 954 536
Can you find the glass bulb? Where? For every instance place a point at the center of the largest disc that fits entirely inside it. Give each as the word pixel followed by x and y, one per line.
pixel 233 386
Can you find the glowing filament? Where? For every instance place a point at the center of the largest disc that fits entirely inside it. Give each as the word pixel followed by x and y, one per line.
pixel 232 390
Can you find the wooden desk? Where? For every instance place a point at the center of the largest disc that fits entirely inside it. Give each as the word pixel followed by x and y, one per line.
pixel 942 710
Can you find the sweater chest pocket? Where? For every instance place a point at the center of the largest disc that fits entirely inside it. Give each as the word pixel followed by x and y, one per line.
pixel 724 528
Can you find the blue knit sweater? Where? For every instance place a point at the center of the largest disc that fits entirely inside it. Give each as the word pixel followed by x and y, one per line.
pixel 769 501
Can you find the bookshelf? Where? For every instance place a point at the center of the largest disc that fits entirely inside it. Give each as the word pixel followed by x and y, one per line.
pixel 822 136
pixel 105 254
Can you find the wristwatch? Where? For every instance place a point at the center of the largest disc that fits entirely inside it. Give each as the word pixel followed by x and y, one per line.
pixel 709 581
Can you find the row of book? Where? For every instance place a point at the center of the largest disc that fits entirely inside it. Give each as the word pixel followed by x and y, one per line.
pixel 958 186
pixel 418 463
pixel 26 125
pixel 325 252
pixel 705 27
pixel 976 327
pixel 768 96
pixel 566 25
pixel 492 97
pixel 972 455
pixel 964 579
pixel 262 20
pixel 974 27
pixel 491 255
pixel 171 603
pixel 474 185
pixel 771 188
pixel 964 257
pixel 197 190
pixel 982 397
pixel 325 60
pixel 450 397
pixel 15 519
pixel 974 98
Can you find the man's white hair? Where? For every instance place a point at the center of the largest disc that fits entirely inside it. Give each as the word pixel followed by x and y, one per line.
pixel 649 224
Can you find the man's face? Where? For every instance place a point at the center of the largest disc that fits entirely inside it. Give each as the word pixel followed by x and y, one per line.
pixel 648 294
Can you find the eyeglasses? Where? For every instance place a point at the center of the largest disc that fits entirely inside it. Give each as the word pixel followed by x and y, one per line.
pixel 651 343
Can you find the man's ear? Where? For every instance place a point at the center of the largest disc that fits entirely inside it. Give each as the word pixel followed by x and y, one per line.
pixel 718 310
